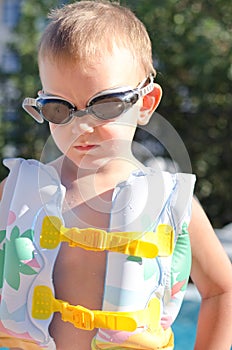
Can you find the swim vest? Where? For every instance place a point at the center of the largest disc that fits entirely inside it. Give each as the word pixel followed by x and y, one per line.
pixel 143 293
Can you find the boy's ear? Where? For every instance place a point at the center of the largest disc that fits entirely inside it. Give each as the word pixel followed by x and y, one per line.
pixel 150 103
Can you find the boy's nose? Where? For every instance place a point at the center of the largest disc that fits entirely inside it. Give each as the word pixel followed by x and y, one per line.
pixel 82 127
pixel 86 127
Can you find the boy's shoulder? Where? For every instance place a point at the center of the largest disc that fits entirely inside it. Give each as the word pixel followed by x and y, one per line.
pixel 177 178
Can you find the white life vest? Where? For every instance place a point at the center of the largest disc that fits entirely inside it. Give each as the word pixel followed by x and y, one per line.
pixel 143 202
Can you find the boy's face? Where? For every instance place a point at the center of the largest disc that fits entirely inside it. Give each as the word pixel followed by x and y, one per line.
pixel 87 141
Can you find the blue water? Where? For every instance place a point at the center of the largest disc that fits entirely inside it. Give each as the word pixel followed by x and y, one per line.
pixel 185 325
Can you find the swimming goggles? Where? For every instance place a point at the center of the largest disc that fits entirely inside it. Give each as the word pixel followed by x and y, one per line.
pixel 106 105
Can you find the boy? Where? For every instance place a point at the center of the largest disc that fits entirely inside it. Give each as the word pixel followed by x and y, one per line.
pixel 97 78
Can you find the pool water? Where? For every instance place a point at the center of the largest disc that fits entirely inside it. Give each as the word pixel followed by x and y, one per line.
pixel 185 325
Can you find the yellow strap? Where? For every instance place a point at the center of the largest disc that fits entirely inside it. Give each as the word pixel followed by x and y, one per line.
pixel 148 244
pixel 44 304
pixel 164 238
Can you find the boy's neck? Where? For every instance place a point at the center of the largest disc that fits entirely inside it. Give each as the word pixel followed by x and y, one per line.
pixel 109 175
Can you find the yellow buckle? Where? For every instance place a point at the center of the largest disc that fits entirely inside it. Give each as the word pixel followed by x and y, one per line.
pixel 44 304
pixel 149 245
pixel 79 316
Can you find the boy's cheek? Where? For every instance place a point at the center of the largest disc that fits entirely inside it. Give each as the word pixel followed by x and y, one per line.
pixel 130 118
pixel 52 127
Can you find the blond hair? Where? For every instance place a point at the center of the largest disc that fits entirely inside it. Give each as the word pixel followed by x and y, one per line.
pixel 85 30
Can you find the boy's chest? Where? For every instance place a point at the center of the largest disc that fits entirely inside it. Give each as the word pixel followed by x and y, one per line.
pixel 78 273
pixel 79 277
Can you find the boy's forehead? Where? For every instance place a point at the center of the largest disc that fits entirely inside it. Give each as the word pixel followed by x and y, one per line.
pixel 118 65
pixel 99 54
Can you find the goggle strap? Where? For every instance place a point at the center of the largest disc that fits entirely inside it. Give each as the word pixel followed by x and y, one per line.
pixel 30 106
pixel 143 91
pixel 146 89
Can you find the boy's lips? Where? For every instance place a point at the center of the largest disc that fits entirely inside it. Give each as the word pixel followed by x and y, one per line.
pixel 85 147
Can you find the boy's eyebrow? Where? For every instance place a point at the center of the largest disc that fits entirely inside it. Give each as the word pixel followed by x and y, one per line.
pixel 47 94
pixel 44 93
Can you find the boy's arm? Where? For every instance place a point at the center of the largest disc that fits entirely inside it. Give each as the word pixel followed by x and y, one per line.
pixel 212 275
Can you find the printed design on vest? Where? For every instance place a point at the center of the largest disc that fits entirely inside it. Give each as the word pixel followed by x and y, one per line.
pixel 145 272
pixel 17 256
pixel 16 261
pixel 180 271
pixel 181 262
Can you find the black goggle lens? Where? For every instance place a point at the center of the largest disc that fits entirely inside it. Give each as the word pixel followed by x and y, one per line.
pixel 108 108
pixel 112 106
pixel 55 111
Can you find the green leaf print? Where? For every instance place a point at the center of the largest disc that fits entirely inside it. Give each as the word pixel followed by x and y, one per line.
pixel 26 270
pixel 2 235
pixel 181 260
pixel 28 234
pixel 18 248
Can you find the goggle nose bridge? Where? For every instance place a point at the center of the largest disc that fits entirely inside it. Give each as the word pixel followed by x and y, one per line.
pixel 79 113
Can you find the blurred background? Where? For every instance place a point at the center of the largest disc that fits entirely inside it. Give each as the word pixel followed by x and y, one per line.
pixel 192 48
